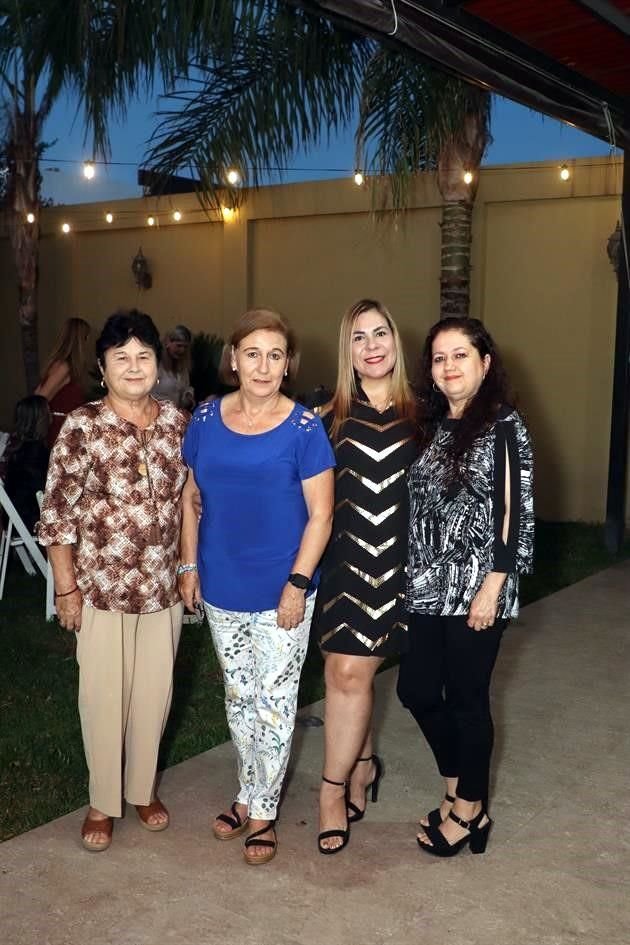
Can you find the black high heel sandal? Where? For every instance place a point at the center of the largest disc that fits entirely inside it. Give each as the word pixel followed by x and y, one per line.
pixel 434 817
pixel 477 837
pixel 337 831
pixel 356 812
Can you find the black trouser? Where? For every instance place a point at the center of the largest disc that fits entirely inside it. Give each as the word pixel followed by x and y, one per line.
pixel 444 681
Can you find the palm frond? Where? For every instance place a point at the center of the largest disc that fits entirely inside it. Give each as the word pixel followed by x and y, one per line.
pixel 409 112
pixel 290 83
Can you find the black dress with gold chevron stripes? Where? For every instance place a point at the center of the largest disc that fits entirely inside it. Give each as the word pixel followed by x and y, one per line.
pixel 360 602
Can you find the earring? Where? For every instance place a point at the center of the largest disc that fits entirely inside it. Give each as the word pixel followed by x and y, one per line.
pixel 286 373
pixel 436 388
pixel 103 384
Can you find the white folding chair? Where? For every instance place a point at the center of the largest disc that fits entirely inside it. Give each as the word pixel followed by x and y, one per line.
pixel 16 535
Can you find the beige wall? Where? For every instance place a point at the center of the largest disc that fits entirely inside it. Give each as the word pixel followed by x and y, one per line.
pixel 541 281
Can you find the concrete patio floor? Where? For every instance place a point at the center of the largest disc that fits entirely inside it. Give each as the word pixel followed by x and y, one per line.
pixel 557 870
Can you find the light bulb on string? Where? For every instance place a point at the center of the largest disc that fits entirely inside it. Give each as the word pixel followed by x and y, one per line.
pixel 233 177
pixel 565 173
pixel 468 177
pixel 228 214
pixel 89 170
pixel 177 216
pixel 65 227
pixel 30 218
pixel 109 217
pixel 359 179
pixel 150 221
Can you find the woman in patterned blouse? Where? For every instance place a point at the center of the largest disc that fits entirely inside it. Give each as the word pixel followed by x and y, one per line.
pixel 111 519
pixel 471 533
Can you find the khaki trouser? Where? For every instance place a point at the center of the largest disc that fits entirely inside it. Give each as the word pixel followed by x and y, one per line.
pixel 125 690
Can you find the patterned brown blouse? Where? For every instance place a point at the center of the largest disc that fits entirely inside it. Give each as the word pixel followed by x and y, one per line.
pixel 113 491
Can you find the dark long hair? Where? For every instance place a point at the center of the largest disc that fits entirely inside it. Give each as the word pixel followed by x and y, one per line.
pixel 481 412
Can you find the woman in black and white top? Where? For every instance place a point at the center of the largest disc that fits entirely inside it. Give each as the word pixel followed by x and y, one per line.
pixel 470 535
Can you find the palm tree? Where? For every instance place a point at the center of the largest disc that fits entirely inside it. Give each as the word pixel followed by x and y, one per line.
pixel 295 79
pixel 107 51
pixel 413 117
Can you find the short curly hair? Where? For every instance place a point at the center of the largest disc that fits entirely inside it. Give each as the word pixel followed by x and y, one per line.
pixel 124 325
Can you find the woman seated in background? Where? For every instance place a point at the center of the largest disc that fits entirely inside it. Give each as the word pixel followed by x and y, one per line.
pixel 111 519
pixel 26 459
pixel 263 466
pixel 64 381
pixel 360 617
pixel 471 533
pixel 173 381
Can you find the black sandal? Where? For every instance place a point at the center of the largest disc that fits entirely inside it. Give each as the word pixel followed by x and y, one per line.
pixel 253 841
pixel 344 835
pixel 234 822
pixel 434 817
pixel 477 836
pixel 356 812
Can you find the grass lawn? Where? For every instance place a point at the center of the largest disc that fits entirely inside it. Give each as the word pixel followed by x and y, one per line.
pixel 42 769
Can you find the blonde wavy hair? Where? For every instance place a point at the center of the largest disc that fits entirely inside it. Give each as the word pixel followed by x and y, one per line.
pixel 347 388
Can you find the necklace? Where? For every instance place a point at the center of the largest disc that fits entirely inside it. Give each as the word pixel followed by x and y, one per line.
pixel 252 421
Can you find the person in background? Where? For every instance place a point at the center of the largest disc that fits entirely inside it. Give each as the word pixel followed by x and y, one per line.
pixel 26 459
pixel 64 381
pixel 173 381
pixel 471 533
pixel 111 521
pixel 263 466
pixel 360 617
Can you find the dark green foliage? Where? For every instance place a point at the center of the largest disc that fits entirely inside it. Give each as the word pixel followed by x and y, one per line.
pixel 205 355
pixel 42 770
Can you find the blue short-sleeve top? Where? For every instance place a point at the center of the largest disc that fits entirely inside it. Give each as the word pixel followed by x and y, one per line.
pixel 254 512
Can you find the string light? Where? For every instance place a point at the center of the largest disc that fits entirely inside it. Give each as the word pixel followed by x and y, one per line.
pixel 233 177
pixel 177 216
pixel 89 170
pixel 468 178
pixel 228 214
pixel 565 173
pixel 65 227
pixel 109 217
pixel 150 221
pixel 359 179
pixel 30 218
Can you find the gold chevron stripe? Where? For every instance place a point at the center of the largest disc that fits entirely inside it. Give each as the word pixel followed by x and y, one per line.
pixel 373 581
pixel 377 455
pixel 361 637
pixel 370 516
pixel 373 612
pixel 374 550
pixel 381 427
pixel 376 487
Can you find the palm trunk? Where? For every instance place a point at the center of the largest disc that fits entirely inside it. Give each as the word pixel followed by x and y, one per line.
pixel 455 258
pixel 23 149
pixel 459 154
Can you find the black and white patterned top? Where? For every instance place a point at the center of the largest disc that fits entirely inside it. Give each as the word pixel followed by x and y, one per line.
pixel 456 525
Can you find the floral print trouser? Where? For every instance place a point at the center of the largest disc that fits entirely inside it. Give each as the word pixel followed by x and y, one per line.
pixel 261 666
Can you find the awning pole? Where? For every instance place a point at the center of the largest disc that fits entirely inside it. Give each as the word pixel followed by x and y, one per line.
pixel 618 456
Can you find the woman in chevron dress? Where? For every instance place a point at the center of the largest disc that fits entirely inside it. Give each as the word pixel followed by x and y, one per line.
pixel 360 616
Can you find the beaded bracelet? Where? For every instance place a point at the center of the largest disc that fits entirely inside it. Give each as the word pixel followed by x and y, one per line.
pixel 185 568
pixel 67 593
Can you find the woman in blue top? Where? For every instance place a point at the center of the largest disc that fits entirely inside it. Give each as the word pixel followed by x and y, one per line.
pixel 262 465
